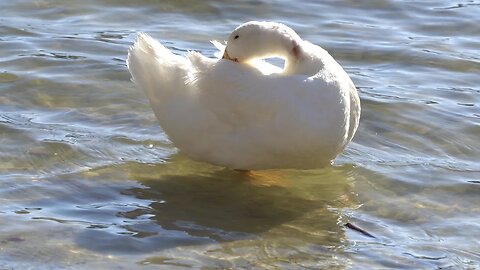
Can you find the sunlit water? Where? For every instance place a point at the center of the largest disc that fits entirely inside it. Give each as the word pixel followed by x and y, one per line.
pixel 88 180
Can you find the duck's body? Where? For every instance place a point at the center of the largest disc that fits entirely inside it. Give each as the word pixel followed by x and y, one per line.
pixel 231 114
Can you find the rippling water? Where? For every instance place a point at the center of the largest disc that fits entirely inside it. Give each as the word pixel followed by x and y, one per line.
pixel 89 180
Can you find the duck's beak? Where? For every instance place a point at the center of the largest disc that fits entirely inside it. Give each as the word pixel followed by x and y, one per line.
pixel 226 56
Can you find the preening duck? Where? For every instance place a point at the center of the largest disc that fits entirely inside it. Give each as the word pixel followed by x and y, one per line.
pixel 241 112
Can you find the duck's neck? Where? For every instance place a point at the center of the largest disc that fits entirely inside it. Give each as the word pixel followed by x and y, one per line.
pixel 296 54
pixel 305 59
pixel 293 62
pixel 289 48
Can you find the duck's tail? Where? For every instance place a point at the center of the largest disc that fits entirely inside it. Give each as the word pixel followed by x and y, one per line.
pixel 155 69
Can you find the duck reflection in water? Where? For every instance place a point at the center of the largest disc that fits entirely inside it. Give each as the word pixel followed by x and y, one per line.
pixel 220 205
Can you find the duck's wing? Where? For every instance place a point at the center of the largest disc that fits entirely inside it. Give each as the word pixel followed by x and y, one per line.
pixel 240 95
pixel 263 66
pixel 252 111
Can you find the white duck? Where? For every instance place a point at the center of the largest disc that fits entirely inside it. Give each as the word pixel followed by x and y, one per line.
pixel 229 112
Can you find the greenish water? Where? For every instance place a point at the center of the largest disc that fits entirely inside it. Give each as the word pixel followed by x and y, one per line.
pixel 88 180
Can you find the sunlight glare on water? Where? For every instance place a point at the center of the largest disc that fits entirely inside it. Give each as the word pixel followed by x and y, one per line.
pixel 88 179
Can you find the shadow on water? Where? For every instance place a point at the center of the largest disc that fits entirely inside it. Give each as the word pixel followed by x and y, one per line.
pixel 209 206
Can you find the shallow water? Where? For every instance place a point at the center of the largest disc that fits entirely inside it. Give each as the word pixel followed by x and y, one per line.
pixel 89 180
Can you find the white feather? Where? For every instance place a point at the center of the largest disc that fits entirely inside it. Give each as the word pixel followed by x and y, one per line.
pixel 233 115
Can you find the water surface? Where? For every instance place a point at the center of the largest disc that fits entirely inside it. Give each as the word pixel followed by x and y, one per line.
pixel 89 180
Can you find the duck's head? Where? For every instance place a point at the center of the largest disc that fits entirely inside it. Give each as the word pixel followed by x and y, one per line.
pixel 262 40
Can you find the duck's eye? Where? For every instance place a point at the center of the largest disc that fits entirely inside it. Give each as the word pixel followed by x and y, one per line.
pixel 236 37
